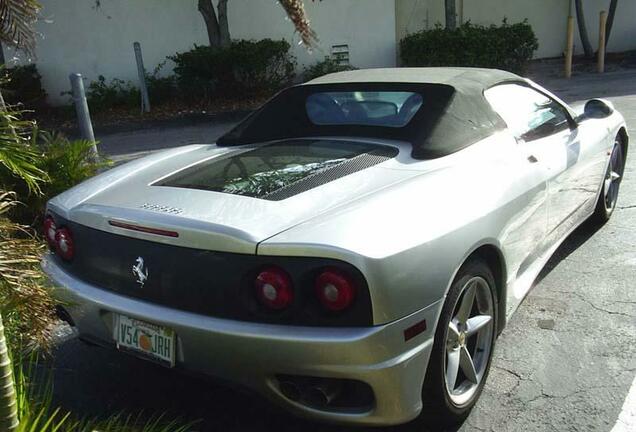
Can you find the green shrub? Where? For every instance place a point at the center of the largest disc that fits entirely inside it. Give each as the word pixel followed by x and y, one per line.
pixel 161 89
pixel 66 163
pixel 102 95
pixel 239 70
pixel 23 84
pixel 262 65
pixel 324 67
pixel 507 47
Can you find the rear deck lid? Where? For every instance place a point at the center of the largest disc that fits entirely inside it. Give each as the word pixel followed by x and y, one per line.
pixel 231 201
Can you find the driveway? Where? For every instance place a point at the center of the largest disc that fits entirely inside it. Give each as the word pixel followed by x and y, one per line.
pixel 565 362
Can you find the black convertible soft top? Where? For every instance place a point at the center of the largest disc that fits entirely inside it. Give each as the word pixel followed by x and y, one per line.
pixel 454 114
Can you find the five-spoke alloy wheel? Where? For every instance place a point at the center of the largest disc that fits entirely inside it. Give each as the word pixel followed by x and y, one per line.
pixel 469 340
pixel 463 346
pixel 611 183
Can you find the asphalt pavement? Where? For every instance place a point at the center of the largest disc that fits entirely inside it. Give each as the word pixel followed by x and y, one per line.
pixel 565 362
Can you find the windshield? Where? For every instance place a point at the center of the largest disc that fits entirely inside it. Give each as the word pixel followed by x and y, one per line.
pixel 364 108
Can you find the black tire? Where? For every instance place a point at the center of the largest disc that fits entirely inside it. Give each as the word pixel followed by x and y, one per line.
pixel 605 205
pixel 438 408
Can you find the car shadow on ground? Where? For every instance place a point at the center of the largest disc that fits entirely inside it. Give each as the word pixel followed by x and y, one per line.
pixel 575 240
pixel 93 381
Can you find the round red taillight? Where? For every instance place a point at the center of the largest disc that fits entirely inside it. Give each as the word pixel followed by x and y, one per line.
pixel 335 290
pixel 274 288
pixel 64 244
pixel 49 231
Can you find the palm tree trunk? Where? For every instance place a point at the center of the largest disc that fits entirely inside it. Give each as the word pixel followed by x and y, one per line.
pixel 8 401
pixel 211 22
pixel 224 27
pixel 451 15
pixel 610 19
pixel 585 39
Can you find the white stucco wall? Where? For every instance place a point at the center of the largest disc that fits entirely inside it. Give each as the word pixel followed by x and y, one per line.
pixel 547 17
pixel 78 38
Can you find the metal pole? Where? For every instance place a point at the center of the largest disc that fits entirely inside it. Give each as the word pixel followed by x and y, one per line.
pixel 83 114
pixel 145 99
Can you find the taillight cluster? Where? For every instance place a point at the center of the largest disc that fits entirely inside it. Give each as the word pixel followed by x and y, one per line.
pixel 333 288
pixel 60 239
pixel 274 288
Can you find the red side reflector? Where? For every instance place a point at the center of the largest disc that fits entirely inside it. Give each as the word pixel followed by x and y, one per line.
pixel 143 229
pixel 414 330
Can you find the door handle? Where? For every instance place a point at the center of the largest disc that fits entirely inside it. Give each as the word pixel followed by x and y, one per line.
pixel 532 159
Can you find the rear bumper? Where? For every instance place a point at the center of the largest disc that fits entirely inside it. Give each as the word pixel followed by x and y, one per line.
pixel 253 354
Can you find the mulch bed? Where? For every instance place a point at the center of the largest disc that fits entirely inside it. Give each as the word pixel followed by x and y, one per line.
pixel 63 119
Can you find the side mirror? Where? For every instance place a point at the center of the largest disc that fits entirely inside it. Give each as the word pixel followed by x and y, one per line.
pixel 598 109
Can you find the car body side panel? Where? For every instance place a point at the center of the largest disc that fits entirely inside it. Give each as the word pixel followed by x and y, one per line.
pixel 404 244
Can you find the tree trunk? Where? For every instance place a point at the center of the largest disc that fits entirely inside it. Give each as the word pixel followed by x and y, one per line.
pixel 211 22
pixel 610 20
pixel 8 402
pixel 451 15
pixel 585 39
pixel 224 26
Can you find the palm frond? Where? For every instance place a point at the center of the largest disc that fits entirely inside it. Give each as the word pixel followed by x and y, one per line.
pixel 16 23
pixel 17 155
pixel 295 10
pixel 25 303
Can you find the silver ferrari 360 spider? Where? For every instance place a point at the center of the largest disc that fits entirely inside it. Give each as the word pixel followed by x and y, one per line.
pixel 352 249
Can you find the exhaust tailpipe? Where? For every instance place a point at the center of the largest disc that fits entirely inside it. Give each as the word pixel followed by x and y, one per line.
pixel 63 315
pixel 290 390
pixel 322 394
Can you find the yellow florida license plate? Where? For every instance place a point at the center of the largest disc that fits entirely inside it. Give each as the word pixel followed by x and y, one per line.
pixel 148 340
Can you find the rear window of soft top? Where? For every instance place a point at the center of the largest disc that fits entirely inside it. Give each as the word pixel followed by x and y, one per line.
pixel 363 108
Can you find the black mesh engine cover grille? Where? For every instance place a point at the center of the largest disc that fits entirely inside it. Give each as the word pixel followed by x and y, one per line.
pixel 280 170
pixel 217 284
pixel 358 163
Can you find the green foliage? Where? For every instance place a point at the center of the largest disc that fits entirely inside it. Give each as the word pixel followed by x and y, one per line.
pixel 262 65
pixel 243 68
pixel 161 89
pixel 18 159
pixel 23 84
pixel 67 162
pixel 25 305
pixel 324 67
pixel 105 95
pixel 102 95
pixel 507 47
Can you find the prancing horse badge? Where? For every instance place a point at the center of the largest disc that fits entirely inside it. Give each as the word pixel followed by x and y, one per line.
pixel 140 271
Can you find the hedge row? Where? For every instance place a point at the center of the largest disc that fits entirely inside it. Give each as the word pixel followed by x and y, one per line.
pixel 242 68
pixel 508 47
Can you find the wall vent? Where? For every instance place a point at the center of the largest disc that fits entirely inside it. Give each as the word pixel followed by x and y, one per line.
pixel 340 53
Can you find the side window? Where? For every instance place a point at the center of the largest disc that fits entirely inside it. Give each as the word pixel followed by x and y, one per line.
pixel 530 115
